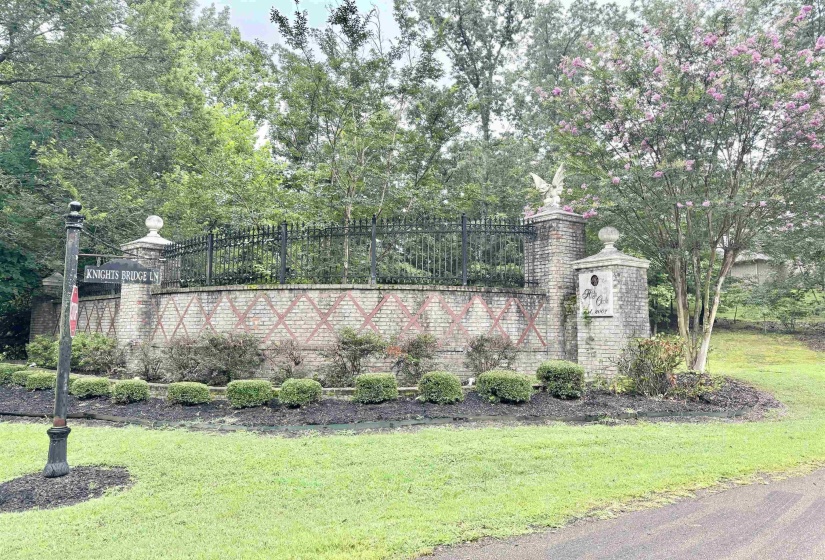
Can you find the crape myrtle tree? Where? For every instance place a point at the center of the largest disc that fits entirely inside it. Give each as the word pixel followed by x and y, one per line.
pixel 701 128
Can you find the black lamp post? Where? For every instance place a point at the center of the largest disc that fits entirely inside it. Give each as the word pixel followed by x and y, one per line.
pixel 57 464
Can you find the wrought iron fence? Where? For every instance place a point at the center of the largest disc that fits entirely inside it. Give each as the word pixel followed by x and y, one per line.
pixel 459 252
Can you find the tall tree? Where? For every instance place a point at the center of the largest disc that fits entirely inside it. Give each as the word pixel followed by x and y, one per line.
pixel 358 117
pixel 701 128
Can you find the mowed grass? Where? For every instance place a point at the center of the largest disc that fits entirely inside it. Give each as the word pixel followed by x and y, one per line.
pixel 396 495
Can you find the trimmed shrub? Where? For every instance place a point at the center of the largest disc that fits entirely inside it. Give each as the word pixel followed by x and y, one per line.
pixel 248 392
pixel 299 392
pixel 130 390
pixel 488 352
pixel 41 380
pixel 375 388
pixel 19 377
pixel 188 392
pixel 505 385
pixel 42 351
pixel 86 387
pixel 564 380
pixel 440 387
pixel 6 371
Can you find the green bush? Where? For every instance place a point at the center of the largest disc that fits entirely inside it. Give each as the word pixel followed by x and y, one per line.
pixel 19 377
pixel 41 380
pixel 248 392
pixel 42 351
pixel 412 357
pixel 299 392
pixel 564 380
pixel 6 371
pixel 505 385
pixel 97 353
pixel 488 352
pixel 213 358
pixel 348 354
pixel 130 390
pixel 86 387
pixel 375 388
pixel 649 364
pixel 440 387
pixel 188 392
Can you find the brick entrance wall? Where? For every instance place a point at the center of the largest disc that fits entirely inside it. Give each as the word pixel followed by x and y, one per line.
pixel 94 315
pixel 310 315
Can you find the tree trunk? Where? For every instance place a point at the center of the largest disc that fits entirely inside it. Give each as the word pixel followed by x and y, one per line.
pixel 701 361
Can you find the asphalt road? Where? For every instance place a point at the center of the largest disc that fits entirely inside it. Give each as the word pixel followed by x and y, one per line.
pixel 783 520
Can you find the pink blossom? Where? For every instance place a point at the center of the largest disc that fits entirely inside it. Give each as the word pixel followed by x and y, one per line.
pixel 820 43
pixel 710 40
pixel 584 186
pixel 615 180
pixel 762 203
pixel 656 97
pixel 689 203
pixel 658 174
pixel 685 67
pixel 649 116
pixel 658 70
pixel 804 108
pixel 706 203
pixel 790 105
pixel 567 208
pixel 803 13
pixel 679 205
pixel 627 165
pixel 689 165
pixel 556 91
pixel 710 118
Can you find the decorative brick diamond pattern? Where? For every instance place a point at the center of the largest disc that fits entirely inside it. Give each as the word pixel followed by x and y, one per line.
pixel 98 316
pixel 311 317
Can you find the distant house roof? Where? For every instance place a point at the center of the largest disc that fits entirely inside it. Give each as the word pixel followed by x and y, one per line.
pixel 751 256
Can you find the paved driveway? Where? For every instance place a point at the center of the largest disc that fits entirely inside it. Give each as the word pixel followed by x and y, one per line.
pixel 783 520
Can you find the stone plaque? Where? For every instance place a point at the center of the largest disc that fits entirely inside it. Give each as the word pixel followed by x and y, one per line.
pixel 596 293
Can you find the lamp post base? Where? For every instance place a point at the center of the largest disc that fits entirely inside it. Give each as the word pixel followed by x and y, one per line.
pixel 57 464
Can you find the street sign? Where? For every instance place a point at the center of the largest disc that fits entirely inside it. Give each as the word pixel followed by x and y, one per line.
pixel 73 311
pixel 121 271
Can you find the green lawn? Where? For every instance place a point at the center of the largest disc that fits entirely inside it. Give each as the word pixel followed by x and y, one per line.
pixel 395 495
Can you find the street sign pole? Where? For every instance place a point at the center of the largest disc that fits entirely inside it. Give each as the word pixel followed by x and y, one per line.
pixel 57 464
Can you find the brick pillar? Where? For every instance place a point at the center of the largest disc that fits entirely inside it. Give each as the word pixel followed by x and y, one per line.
pixel 45 308
pixel 548 263
pixel 612 305
pixel 136 316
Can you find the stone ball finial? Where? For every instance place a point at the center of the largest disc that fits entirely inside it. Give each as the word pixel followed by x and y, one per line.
pixel 609 235
pixel 154 224
pixel 75 206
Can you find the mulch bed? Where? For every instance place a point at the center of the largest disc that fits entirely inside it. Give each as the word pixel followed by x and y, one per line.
pixel 34 491
pixel 732 396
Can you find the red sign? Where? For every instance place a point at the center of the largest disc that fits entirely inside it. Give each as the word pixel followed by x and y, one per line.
pixel 73 309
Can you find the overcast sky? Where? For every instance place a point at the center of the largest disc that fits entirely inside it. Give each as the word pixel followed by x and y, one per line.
pixel 252 16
